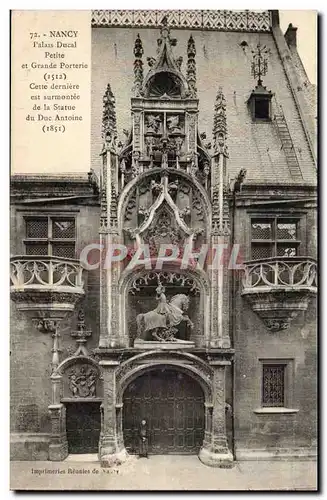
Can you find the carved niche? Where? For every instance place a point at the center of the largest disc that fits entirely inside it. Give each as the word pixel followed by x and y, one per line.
pixel 164 306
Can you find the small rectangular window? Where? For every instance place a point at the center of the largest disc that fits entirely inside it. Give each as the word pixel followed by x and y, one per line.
pixel 36 248
pixel 286 230
pixel 273 385
pixel 47 235
pixel 274 237
pixel 63 228
pixel 260 251
pixel 261 230
pixel 37 228
pixel 66 250
pixel 286 250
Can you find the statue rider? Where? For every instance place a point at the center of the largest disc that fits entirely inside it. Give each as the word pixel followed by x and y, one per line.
pixel 162 307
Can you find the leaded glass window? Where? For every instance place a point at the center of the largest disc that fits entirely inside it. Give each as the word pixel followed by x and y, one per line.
pixel 50 235
pixel 271 237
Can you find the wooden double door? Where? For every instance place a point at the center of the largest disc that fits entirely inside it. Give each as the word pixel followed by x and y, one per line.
pixel 173 405
pixel 83 424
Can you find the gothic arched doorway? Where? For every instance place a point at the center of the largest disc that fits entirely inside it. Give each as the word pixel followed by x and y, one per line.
pixel 172 402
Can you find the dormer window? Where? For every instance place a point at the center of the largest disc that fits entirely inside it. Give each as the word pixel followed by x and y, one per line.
pixel 260 104
pixel 260 98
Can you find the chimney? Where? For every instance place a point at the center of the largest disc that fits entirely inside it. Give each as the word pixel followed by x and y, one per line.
pixel 290 36
pixel 274 17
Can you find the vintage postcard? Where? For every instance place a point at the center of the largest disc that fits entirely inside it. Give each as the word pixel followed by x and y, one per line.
pixel 163 250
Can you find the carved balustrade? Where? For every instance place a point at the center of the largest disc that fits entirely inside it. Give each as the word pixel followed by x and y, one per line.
pixel 47 282
pixel 278 288
pixel 280 272
pixel 28 271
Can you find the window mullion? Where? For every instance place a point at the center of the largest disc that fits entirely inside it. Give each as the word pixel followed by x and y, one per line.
pixel 49 235
pixel 274 235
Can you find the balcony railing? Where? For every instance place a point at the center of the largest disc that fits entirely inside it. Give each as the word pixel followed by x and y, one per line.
pixel 280 272
pixel 278 288
pixel 46 272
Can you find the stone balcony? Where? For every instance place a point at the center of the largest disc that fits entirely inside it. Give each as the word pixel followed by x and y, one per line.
pixel 279 287
pixel 49 286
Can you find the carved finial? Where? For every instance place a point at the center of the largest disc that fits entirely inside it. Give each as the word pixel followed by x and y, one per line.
pixel 165 34
pixel 109 126
pixel 138 66
pixel 81 320
pixel 220 124
pixel 191 67
pixel 259 65
pixel 164 20
pixel 81 335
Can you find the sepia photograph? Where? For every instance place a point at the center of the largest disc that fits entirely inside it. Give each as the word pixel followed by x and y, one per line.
pixel 163 250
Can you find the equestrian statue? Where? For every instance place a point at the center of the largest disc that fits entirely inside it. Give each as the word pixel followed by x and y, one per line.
pixel 160 324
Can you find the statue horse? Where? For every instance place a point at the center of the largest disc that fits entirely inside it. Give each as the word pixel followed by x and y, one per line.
pixel 162 325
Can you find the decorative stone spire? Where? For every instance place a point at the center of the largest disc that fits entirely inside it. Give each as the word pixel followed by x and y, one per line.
pixel 259 65
pixel 191 67
pixel 109 126
pixel 81 335
pixel 220 124
pixel 175 84
pixel 138 66
pixel 220 205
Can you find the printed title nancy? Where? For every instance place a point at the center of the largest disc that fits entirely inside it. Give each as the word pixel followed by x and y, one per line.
pixel 58 44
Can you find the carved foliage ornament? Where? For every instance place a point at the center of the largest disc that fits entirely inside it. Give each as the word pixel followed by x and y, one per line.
pixel 276 325
pixel 168 278
pixel 191 67
pixel 162 231
pixel 109 127
pixel 220 124
pixel 138 66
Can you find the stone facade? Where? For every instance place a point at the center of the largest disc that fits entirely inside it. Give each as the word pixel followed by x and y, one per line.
pixel 245 336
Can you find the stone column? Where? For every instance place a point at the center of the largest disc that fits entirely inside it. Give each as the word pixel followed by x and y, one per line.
pixel 214 451
pixel 207 425
pixel 119 417
pixel 110 451
pixel 58 448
